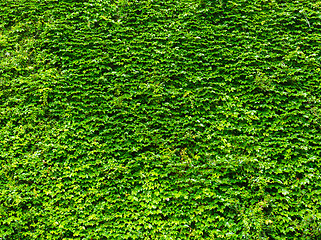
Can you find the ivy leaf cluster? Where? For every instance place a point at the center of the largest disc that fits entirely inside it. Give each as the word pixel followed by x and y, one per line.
pixel 160 119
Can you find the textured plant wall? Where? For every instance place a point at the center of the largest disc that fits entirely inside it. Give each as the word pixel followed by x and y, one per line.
pixel 153 119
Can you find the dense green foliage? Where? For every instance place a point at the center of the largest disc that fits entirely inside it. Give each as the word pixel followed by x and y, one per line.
pixel 160 119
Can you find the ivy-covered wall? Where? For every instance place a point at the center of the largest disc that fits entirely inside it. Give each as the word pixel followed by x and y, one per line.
pixel 160 119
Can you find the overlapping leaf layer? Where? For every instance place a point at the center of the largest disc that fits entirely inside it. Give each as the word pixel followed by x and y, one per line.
pixel 160 119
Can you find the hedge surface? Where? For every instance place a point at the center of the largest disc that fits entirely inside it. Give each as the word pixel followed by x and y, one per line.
pixel 160 119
